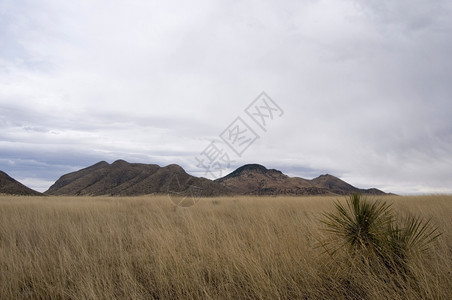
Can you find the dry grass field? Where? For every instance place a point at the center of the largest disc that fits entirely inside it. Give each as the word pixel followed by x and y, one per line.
pixel 221 248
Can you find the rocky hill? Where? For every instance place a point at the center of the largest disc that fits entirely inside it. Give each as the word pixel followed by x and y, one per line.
pixel 255 179
pixel 340 187
pixel 11 186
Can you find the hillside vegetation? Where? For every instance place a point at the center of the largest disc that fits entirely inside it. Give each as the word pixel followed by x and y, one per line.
pixel 221 248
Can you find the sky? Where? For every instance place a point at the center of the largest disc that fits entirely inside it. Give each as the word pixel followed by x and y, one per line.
pixel 357 89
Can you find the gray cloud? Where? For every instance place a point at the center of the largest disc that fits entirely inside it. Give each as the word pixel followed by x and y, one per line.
pixel 365 86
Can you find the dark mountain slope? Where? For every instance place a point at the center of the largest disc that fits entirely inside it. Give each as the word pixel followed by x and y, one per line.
pixel 11 186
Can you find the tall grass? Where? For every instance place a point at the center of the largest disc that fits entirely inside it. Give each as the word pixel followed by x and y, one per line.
pixel 222 248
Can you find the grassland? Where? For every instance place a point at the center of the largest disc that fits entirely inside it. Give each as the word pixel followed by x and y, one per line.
pixel 221 248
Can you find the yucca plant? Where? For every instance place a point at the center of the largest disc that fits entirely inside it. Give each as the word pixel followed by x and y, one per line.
pixel 359 225
pixel 369 229
pixel 411 237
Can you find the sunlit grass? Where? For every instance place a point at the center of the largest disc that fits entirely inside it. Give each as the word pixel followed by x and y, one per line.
pixel 221 248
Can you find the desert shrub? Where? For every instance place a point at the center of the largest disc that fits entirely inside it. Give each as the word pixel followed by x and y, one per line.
pixel 370 232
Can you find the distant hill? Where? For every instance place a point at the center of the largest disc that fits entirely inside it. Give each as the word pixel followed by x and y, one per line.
pixel 338 186
pixel 254 179
pixel 129 179
pixel 11 186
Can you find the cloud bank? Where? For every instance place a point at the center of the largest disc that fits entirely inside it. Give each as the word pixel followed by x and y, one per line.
pixel 364 85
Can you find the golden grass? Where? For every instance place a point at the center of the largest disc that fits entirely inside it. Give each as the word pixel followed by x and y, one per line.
pixel 221 248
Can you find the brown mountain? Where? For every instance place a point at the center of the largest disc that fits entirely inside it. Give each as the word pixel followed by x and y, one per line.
pixel 255 179
pixel 338 186
pixel 11 186
pixel 128 179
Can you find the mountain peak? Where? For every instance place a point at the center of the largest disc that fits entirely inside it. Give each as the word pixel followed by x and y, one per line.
pixel 326 176
pixel 251 168
pixel 174 166
pixel 120 163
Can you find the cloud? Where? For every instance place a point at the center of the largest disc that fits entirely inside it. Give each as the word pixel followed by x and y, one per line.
pixel 364 86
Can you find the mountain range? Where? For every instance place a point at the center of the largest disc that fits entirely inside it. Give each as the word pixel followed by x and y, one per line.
pixel 121 178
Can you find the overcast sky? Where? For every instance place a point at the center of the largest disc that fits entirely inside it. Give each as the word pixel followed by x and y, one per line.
pixel 364 87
